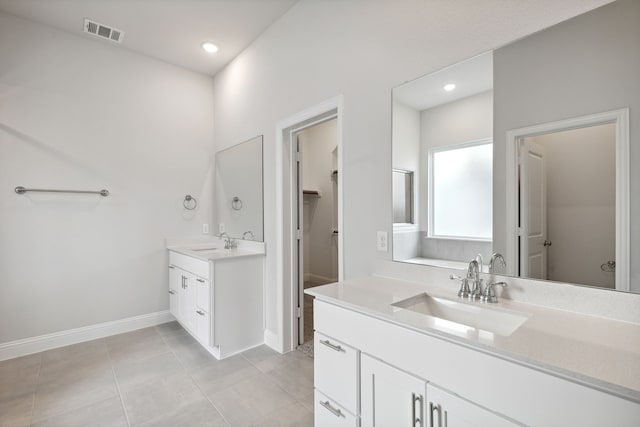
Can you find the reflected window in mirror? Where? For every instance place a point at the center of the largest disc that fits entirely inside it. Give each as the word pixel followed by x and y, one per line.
pixel 403 197
pixel 460 184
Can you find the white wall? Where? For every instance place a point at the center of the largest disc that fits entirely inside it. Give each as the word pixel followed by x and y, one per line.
pixel 82 114
pixel 581 203
pixel 320 49
pixel 320 244
pixel 465 120
pixel 587 65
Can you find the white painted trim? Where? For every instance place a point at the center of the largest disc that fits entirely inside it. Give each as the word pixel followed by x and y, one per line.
pixel 621 120
pixel 286 330
pixel 272 340
pixel 40 343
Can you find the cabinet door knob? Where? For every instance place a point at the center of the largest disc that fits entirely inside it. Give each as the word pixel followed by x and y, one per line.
pixel 335 411
pixel 200 312
pixel 172 292
pixel 171 267
pixel 200 280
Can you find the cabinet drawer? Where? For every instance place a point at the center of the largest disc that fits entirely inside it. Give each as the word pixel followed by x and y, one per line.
pixel 328 413
pixel 196 266
pixel 203 294
pixel 336 371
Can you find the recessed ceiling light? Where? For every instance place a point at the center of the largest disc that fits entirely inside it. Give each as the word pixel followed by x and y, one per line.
pixel 449 87
pixel 209 47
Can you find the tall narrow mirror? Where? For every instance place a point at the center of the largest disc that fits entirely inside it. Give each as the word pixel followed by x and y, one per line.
pixel 239 200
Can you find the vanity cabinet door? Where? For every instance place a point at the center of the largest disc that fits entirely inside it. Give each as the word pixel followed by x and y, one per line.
pixel 448 410
pixel 175 282
pixel 389 396
pixel 188 301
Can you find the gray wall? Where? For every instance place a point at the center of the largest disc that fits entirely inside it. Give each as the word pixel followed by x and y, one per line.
pixel 586 65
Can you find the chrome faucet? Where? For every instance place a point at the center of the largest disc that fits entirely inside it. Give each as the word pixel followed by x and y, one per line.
pixel 248 232
pixel 229 243
pixel 473 274
pixel 480 261
pixel 496 257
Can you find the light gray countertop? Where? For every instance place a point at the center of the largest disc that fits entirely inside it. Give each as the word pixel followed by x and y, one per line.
pixel 601 353
pixel 215 252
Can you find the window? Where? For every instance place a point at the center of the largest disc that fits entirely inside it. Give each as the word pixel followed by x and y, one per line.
pixel 460 185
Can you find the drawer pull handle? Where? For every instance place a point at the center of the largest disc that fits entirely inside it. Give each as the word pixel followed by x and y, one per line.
pixel 200 312
pixel 434 408
pixel 335 411
pixel 331 346
pixel 200 280
pixel 172 292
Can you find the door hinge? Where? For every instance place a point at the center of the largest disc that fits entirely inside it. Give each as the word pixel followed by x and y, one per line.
pixel 299 312
pixel 298 156
pixel 519 231
pixel 299 234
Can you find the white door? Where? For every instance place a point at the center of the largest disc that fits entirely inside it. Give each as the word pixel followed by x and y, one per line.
pixel 300 237
pixel 389 396
pixel 447 410
pixel 533 211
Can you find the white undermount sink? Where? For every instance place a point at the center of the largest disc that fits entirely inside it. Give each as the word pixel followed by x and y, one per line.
pixel 476 315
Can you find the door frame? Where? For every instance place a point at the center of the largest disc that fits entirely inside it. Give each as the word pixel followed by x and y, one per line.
pixel 286 242
pixel 621 119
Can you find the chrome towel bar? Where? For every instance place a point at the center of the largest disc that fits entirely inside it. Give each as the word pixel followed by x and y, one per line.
pixel 22 190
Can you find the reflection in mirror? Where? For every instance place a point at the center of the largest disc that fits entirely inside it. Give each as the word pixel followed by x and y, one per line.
pixel 562 109
pixel 239 200
pixel 402 197
pixel 446 137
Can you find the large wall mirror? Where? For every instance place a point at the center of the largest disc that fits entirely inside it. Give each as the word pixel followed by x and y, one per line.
pixel 528 154
pixel 239 199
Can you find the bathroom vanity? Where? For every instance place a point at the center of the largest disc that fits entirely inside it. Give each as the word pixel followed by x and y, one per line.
pixel 390 352
pixel 217 295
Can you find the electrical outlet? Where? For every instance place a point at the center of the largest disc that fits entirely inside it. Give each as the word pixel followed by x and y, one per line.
pixel 383 241
pixel 205 228
pixel 221 227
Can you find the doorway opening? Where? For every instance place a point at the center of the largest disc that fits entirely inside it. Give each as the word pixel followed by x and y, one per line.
pixel 310 243
pixel 317 216
pixel 568 200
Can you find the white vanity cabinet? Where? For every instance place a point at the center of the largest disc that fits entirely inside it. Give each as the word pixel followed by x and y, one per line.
pixel 219 302
pixel 403 373
pixel 390 396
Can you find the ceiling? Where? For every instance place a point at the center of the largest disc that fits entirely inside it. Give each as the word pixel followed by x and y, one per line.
pixel 472 76
pixel 169 30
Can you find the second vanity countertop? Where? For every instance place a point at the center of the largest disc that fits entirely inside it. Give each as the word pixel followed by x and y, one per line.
pixel 215 251
pixel 598 352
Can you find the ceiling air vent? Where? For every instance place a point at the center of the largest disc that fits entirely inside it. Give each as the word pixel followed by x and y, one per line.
pixel 103 31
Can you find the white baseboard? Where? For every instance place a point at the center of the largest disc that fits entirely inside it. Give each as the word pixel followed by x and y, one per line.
pixel 40 343
pixel 273 340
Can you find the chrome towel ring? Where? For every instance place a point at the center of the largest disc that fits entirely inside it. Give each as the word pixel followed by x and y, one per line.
pixel 189 202
pixel 236 203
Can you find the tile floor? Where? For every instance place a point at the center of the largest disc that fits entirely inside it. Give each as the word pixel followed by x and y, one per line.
pixel 158 376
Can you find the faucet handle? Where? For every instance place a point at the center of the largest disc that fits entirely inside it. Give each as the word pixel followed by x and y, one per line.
pixel 489 294
pixel 464 291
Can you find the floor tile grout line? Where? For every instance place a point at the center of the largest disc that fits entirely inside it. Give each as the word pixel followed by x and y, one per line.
pixel 115 379
pixel 193 379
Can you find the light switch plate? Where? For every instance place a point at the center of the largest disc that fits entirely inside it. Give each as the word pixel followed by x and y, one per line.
pixel 221 227
pixel 205 228
pixel 382 241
